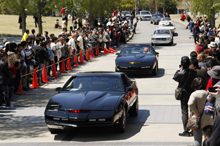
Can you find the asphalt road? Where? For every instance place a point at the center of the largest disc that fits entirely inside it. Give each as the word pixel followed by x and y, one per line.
pixel 158 122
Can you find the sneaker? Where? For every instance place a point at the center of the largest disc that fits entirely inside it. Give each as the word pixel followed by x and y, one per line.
pixel 11 106
pixel 185 133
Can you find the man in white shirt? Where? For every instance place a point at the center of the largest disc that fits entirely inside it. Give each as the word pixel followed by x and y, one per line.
pixel 85 23
pixel 72 43
pixel 217 39
pixel 55 49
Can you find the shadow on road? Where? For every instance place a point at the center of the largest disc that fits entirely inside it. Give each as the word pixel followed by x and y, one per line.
pixel 134 125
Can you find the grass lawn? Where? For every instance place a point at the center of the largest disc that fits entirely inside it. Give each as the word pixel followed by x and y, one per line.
pixel 9 24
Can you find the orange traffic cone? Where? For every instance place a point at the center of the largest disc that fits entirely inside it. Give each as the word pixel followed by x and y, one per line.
pixel 62 70
pixel 81 57
pixel 113 50
pixel 20 89
pixel 44 75
pixel 76 60
pixel 105 51
pixel 69 67
pixel 197 47
pixel 54 71
pixel 92 53
pixel 35 82
pixel 97 50
pixel 87 55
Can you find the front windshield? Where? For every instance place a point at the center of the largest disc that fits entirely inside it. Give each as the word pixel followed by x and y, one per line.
pixel 144 13
pixel 93 83
pixel 158 15
pixel 125 12
pixel 160 31
pixel 137 50
pixel 167 24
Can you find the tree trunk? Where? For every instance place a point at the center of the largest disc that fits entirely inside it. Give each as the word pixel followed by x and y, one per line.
pixel 139 4
pixel 39 19
pixel 212 17
pixel 23 22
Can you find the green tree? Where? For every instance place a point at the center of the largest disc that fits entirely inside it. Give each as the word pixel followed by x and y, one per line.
pixel 208 7
pixel 18 6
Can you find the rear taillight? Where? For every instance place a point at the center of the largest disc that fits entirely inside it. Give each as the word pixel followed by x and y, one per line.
pixel 79 111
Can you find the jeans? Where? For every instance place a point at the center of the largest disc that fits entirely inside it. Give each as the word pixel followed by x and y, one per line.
pixel 4 93
pixel 190 30
pixel 196 38
pixel 49 68
pixel 56 60
pixel 197 134
pixel 41 65
pixel 184 107
pixel 107 45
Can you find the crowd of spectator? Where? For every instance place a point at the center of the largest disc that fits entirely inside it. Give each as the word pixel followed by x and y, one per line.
pixel 197 75
pixel 17 61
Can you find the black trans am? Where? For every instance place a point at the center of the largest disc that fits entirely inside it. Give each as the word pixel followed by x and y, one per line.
pixel 137 59
pixel 93 99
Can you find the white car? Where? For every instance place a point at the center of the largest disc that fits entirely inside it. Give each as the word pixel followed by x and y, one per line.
pixel 167 25
pixel 128 14
pixel 162 36
pixel 144 15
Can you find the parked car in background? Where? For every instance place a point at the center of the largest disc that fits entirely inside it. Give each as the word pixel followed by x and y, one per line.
pixel 167 25
pixel 128 14
pixel 156 18
pixel 143 15
pixel 162 36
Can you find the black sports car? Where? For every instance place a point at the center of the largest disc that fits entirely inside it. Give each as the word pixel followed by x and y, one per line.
pixel 137 59
pixel 156 18
pixel 93 99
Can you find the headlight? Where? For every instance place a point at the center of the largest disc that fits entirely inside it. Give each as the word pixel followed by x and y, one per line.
pixel 168 39
pixel 53 107
pixel 152 38
pixel 122 67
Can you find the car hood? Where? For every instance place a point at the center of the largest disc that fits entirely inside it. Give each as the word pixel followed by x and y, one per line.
pixel 145 60
pixel 160 36
pixel 86 100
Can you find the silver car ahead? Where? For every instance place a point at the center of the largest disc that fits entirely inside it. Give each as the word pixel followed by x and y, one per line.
pixel 144 15
pixel 162 36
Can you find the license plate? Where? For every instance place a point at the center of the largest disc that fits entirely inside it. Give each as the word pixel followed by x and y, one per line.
pixel 55 127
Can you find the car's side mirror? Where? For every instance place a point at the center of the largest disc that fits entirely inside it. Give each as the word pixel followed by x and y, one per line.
pixel 58 89
pixel 129 89
pixel 116 53
pixel 157 53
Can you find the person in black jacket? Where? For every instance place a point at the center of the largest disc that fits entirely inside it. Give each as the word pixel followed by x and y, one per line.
pixel 5 78
pixel 42 56
pixel 185 76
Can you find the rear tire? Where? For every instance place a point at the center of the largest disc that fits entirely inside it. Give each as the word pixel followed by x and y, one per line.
pixel 54 131
pixel 133 112
pixel 120 128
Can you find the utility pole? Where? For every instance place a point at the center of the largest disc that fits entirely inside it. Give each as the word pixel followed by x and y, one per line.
pixel 156 6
